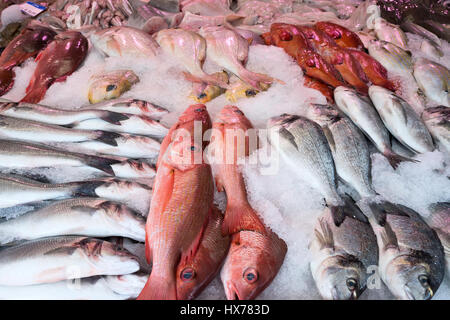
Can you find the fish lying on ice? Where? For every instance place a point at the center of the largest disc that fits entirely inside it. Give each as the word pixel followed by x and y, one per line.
pixel 121 287
pixel 55 259
pixel 401 120
pixel 28 43
pixel 203 92
pixel 196 273
pixel 434 80
pixel 348 145
pixel 440 222
pixel 320 86
pixel 93 217
pixel 55 63
pixel 341 255
pixel 390 33
pixel 364 115
pixel 392 57
pixel 411 257
pixel 111 85
pixel 182 199
pixel 240 89
pixel 189 49
pixel 230 50
pixel 343 36
pixel 252 263
pixel 130 106
pixel 437 120
pixel 412 27
pixel 430 49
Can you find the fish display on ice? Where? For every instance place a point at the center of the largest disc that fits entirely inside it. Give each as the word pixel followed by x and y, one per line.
pixel 434 80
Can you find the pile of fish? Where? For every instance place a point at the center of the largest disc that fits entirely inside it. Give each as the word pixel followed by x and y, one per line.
pixel 139 181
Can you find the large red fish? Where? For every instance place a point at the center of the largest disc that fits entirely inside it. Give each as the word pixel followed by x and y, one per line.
pixel 229 143
pixel 340 58
pixel 296 45
pixel 320 86
pixel 253 261
pixel 181 203
pixel 27 44
pixel 58 60
pixel 195 274
pixel 374 71
pixel 341 35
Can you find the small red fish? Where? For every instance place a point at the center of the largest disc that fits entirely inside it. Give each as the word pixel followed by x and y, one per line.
pixel 341 35
pixel 320 86
pixel 296 45
pixel 340 58
pixel 195 274
pixel 55 63
pixel 230 142
pixel 374 71
pixel 27 44
pixel 181 204
pixel 252 263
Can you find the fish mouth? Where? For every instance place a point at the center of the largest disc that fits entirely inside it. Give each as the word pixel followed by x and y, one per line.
pixel 231 292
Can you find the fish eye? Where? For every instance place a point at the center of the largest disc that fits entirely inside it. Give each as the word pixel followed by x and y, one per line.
pixel 111 87
pixel 187 274
pixel 250 92
pixel 424 281
pixel 352 284
pixel 199 109
pixel 193 148
pixel 250 275
pixel 200 96
pixel 239 112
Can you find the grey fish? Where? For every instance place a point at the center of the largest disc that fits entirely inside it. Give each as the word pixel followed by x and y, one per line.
pixel 55 259
pixel 421 31
pixel 363 114
pixel 342 254
pixel 437 120
pixel 55 116
pixel 440 222
pixel 17 154
pixel 349 148
pixel 130 106
pixel 119 287
pixel 401 120
pixel 411 257
pixel 434 80
pixel 34 131
pixel 304 146
pixel 92 217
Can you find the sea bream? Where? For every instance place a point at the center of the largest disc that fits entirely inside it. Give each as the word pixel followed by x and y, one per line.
pixel 28 43
pixel 120 287
pixel 94 217
pixel 440 222
pixel 392 57
pixel 55 63
pixel 55 259
pixel 348 145
pixel 434 80
pixel 230 50
pixel 341 255
pixel 437 120
pixel 411 257
pixel 181 204
pixel 364 115
pixel 130 106
pixel 303 145
pixel 189 49
pixel 401 120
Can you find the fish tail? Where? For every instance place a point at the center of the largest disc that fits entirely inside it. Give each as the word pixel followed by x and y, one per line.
pixel 256 80
pixel 102 164
pixel 240 218
pixel 338 214
pixel 34 93
pixel 159 288
pixel 87 189
pixel 395 159
pixel 114 117
pixel 6 80
pixel 108 138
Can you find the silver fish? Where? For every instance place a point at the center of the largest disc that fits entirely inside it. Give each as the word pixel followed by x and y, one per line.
pixel 133 169
pixel 94 217
pixel 437 120
pixel 134 124
pixel 119 287
pixel 130 106
pixel 421 31
pixel 390 33
pixel 304 146
pixel 401 120
pixel 411 257
pixel 434 80
pixel 55 259
pixel 392 57
pixel 55 116
pixel 363 114
pixel 341 255
pixel 440 222
pixel 34 131
pixel 348 145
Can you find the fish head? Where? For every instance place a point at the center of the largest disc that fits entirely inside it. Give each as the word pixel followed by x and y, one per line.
pixel 341 278
pixel 127 284
pixel 253 261
pixel 322 113
pixel 240 90
pixel 111 85
pixel 281 120
pixel 409 277
pixel 232 115
pixel 130 220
